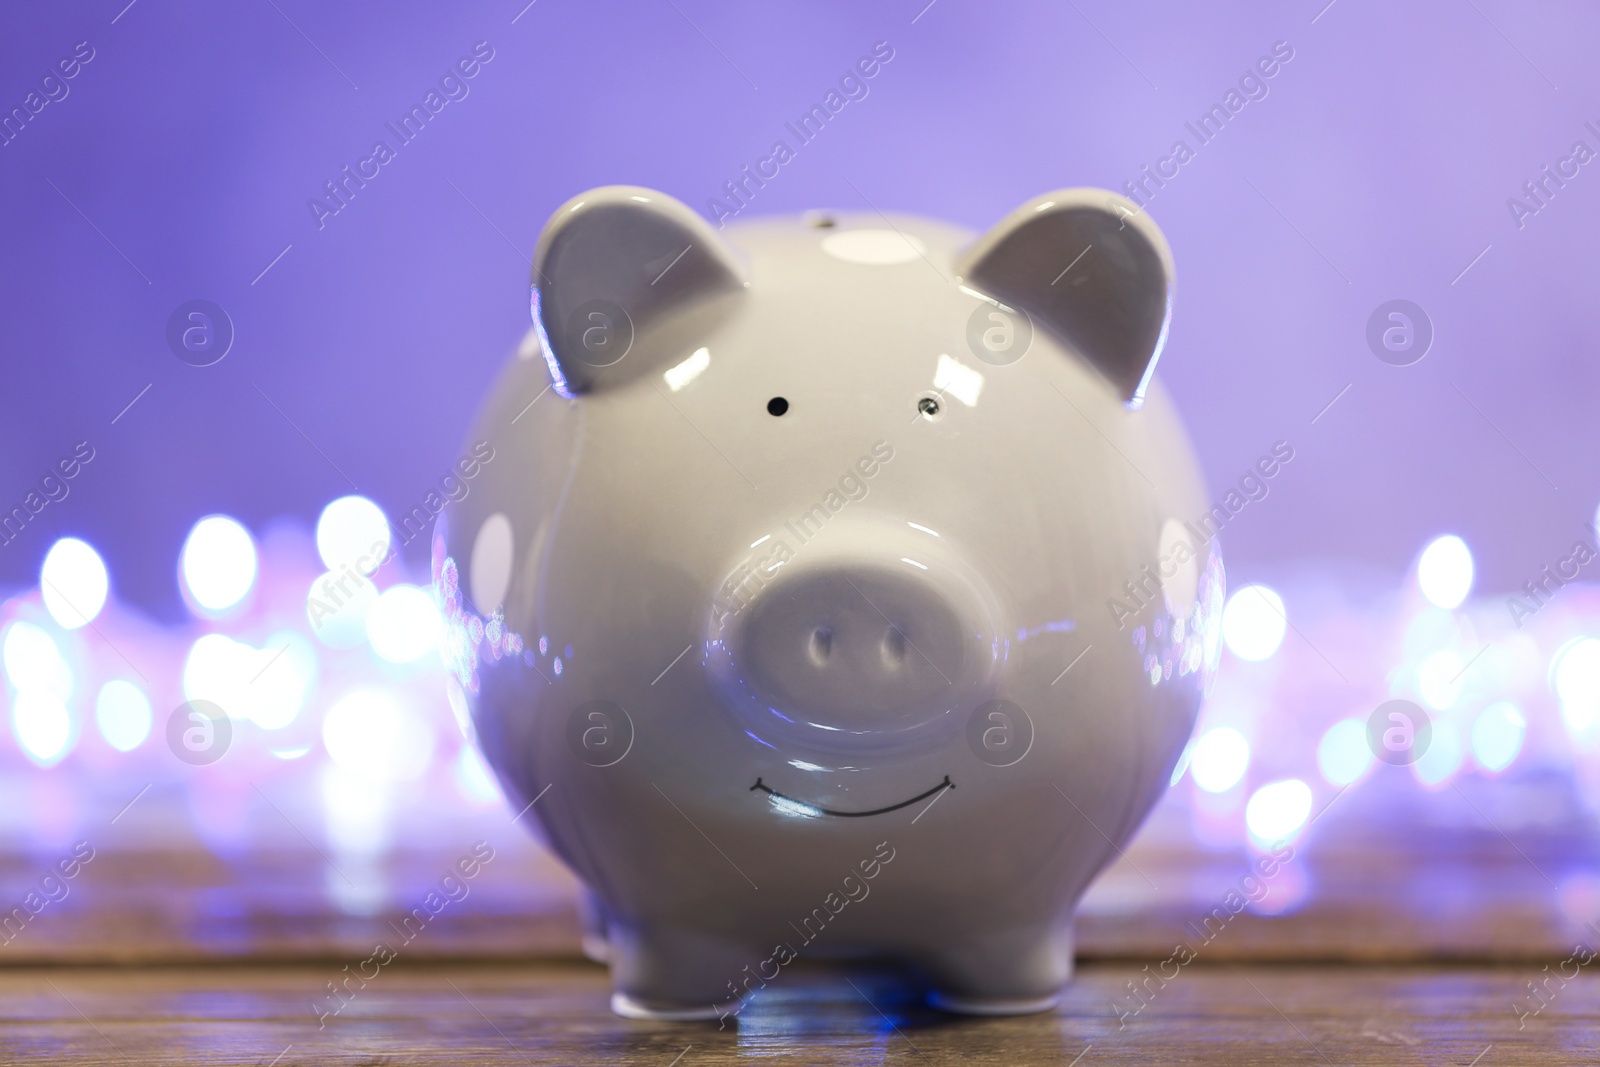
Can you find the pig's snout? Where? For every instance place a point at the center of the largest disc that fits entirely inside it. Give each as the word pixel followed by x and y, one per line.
pixel 871 641
pixel 859 653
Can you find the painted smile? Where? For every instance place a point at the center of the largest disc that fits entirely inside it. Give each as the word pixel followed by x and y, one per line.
pixel 800 807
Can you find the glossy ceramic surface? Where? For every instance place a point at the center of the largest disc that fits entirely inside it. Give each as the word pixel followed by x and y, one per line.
pixel 842 593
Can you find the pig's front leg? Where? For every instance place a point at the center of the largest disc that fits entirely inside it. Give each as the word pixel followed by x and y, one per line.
pixel 669 973
pixel 1010 971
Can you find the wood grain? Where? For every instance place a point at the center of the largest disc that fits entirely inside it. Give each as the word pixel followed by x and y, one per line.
pixel 556 1013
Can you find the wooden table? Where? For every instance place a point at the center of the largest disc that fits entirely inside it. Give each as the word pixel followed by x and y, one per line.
pixel 555 1012
pixel 1386 947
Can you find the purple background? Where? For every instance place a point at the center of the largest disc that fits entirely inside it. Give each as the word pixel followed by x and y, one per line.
pixel 1381 162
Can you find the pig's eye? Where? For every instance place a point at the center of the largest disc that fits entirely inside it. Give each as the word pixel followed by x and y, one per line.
pixel 777 406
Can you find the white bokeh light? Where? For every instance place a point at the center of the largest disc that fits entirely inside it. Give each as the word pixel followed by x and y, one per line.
pixel 284 672
pixel 33 662
pixel 122 713
pixel 1497 735
pixel 267 686
pixel 337 605
pixel 42 725
pixel 358 816
pixel 474 778
pixel 218 564
pixel 1277 810
pixel 1444 571
pixel 1442 758
pixel 218 669
pixel 369 733
pixel 404 624
pixel 351 530
pixel 73 582
pixel 1439 680
pixel 1575 676
pixel 1254 622
pixel 1344 755
pixel 1219 759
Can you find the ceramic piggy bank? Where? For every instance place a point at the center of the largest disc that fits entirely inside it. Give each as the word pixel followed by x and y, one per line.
pixel 844 587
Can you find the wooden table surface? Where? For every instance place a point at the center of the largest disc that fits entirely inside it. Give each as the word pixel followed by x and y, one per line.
pixel 555 1012
pixel 1375 945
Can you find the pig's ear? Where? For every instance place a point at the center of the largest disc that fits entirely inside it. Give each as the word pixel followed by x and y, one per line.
pixel 1093 269
pixel 622 277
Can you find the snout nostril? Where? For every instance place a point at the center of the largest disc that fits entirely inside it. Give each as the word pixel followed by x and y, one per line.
pixel 821 645
pixel 893 648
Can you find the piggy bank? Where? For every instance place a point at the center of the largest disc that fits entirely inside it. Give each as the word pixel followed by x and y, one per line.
pixel 843 587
